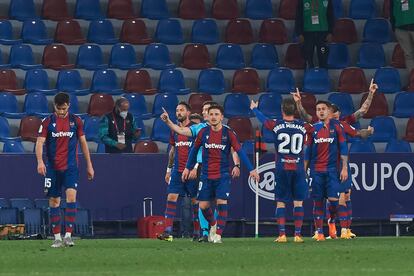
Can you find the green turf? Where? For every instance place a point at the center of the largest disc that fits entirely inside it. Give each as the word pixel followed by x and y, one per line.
pixel 362 256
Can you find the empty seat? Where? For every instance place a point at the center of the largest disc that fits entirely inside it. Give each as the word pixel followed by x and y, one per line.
pixel 287 9
pixel 409 131
pixel 343 101
pixel 280 80
pixel 239 31
pixel 139 81
pixel 352 80
pixel 191 9
pixel 246 81
pixel 120 9
pixel 8 107
pixel 34 32
pixel 105 81
pixel 388 80
pixel 337 8
pixel 270 105
pixel 91 128
pixel 22 10
pixel 384 129
pixel 157 56
pixel 172 81
pixel 268 136
pixel 160 131
pixel 146 147
pixel 4 126
pixel 154 9
pixel 410 86
pixel 371 56
pixel 169 31
pixel 100 104
pixel 237 105
pixel 211 81
pixel 362 9
pixel 21 56
pixel 398 57
pixel 6 33
pixel 273 31
pixel 74 105
pixel 386 9
pixel 56 10
pixel 362 146
pixel 123 57
pixel 56 57
pixel 134 31
pixel 344 31
pixel 101 32
pixel 36 104
pixel 377 30
pixel 403 105
pixel 294 57
pixel 90 57
pixel 196 56
pixel 264 56
pixel 71 81
pixel 398 146
pixel 4 203
pixel 83 223
pixel 309 104
pixel 225 9
pixel 21 203
pixel 379 105
pixel 230 56
pixel 41 203
pixel 8 82
pixel 316 81
pixel 8 215
pixel 69 32
pixel 196 101
pixel 338 56
pixel 167 101
pixel 242 127
pixel 205 31
pixel 137 105
pixel 37 80
pixel 88 10
pixel 33 221
pixel 258 9
pixel 29 128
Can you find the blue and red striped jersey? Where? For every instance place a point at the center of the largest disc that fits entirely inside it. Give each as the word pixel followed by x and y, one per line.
pixel 62 136
pixel 182 145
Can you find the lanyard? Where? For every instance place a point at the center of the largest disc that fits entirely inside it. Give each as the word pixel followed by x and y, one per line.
pixel 116 126
pixel 315 6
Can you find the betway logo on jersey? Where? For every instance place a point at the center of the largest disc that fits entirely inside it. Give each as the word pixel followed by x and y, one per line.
pixel 324 140
pixel 183 144
pixel 214 146
pixel 62 134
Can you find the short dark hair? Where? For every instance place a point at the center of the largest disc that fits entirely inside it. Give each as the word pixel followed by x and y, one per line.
pixel 196 116
pixel 328 104
pixel 288 106
pixel 216 106
pixel 61 98
pixel 211 103
pixel 187 106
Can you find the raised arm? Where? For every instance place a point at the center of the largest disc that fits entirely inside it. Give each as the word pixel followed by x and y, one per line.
pixel 302 112
pixel 365 106
pixel 186 131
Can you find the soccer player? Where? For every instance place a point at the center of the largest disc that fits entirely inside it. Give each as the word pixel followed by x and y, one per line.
pixel 216 140
pixel 290 138
pixel 178 155
pixel 61 132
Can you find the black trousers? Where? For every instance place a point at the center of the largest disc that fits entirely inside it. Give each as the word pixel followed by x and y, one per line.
pixel 316 40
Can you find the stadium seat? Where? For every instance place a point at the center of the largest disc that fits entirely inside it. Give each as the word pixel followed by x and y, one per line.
pixel 41 203
pixel 338 56
pixel 403 105
pixel 169 31
pixel 191 9
pixel 105 81
pixel 242 127
pixel 29 128
pixel 123 57
pixel 269 105
pixel 100 148
pixel 264 56
pixel 362 9
pixel 273 31
pixel 22 10
pixel 338 8
pixel 371 56
pixel 100 104
pixel 6 33
pixel 37 80
pixel 8 82
pixel 377 30
pixel 137 105
pixel 410 86
pixel 287 9
pixel 160 131
pixel 362 146
pixel 386 9
pixel 91 128
pixel 4 203
pixel 388 80
pixel 88 10
pixel 205 31
pixel 74 105
pixel 196 101
pixel 83 223
pixel 101 32
pixel 237 105
pixel 154 9
pixel 69 32
pixel 167 101
pixel 268 136
pixel 225 9
pixel 139 81
pixel 146 147
pixel 139 123
pixel 8 215
pixel 379 105
pixel 246 81
pixel 316 81
pixel 308 103
pixel 90 57
pixel 398 146
pixel 71 81
pixel 33 221
pixel 56 57
pixel 8 106
pixel 384 129
pixel 21 56
pixel 172 81
pixel 3 65
pixel 211 81
pixel 4 126
pixel 157 57
pixel 21 203
pixel 398 58
pixel 34 32
pixel 352 80
pixel 343 101
pixel 280 80
pixel 134 31
pixel 120 9
pixel 345 31
pixel 258 9
pixel 196 56
pixel 56 10
pixel 230 56
pixel 239 31
pixel 409 131
pixel 36 104
pixel 294 57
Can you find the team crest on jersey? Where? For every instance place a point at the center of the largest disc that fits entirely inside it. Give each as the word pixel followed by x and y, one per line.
pixel 331 131
pixel 72 124
pixel 54 125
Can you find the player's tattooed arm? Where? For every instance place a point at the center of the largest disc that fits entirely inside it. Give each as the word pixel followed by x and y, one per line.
pixel 302 112
pixel 41 168
pixel 366 132
pixel 367 103
pixel 171 154
pixel 174 127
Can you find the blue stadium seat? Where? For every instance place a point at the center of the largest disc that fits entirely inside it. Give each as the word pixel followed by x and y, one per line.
pixel 248 147
pixel 33 221
pixel 172 81
pixel 88 10
pixel 154 9
pixel 34 32
pixel 22 10
pixel 169 31
pixel 211 81
pixel 258 9
pixel 83 223
pixel 403 105
pixel 91 128
pixel 4 203
pixel 384 129
pixel 362 9
pixel 139 123
pixel 268 136
pixel 71 81
pixel 377 30
pixel 105 81
pixel 36 104
pixel 395 145
pixel 90 57
pixel 9 216
pixel 8 106
pixel 316 81
pixel 21 203
pixel 264 56
pixel 41 203
pixel 167 101
pixel 123 57
pixel 160 131
pixel 3 65
pixel 74 105
pixel 371 56
pixel 21 56
pixel 101 32
pixel 362 146
pixel 137 105
pixel 388 80
pixel 37 80
pixel 343 101
pixel 205 31
pixel 338 9
pixel 338 56
pixel 270 104
pixel 6 33
pixel 4 128
pixel 280 80
pixel 157 56
pixel 100 148
pixel 230 56
pixel 237 104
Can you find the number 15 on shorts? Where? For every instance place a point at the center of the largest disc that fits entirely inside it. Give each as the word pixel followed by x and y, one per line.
pixel 48 184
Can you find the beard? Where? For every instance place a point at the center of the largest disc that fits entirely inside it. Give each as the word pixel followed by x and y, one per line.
pixel 181 118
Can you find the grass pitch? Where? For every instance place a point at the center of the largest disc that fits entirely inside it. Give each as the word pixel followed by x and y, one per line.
pixel 362 256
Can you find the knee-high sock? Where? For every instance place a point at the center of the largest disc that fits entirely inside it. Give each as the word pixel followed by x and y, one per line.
pixel 318 215
pixel 221 218
pixel 333 210
pixel 298 214
pixel 55 220
pixel 349 212
pixel 209 216
pixel 203 222
pixel 170 213
pixel 70 216
pixel 196 221
pixel 281 220
pixel 343 216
